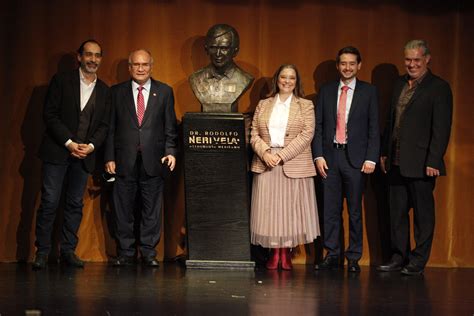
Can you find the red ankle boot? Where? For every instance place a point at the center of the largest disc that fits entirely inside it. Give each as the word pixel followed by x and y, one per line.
pixel 286 259
pixel 272 263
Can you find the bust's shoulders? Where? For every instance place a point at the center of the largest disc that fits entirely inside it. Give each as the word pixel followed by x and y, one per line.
pixel 243 74
pixel 199 73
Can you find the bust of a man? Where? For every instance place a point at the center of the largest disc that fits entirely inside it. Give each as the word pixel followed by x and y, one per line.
pixel 219 85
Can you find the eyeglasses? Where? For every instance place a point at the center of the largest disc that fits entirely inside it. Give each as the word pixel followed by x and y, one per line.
pixel 138 65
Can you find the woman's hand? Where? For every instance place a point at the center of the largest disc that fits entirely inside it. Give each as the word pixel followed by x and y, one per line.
pixel 271 160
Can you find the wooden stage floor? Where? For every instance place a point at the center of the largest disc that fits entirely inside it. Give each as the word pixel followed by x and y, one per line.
pixel 173 290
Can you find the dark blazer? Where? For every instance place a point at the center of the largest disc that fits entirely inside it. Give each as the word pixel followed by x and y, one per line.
pixel 363 139
pixel 61 113
pixel 424 128
pixel 157 136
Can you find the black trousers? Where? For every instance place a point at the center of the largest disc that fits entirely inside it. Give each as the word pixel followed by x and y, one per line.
pixel 150 190
pixel 71 178
pixel 343 179
pixel 405 193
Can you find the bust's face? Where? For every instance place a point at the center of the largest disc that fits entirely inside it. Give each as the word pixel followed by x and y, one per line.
pixel 220 51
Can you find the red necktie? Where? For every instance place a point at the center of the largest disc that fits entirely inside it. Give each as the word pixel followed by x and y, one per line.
pixel 341 117
pixel 140 105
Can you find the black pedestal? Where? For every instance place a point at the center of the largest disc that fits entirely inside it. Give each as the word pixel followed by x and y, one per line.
pixel 216 188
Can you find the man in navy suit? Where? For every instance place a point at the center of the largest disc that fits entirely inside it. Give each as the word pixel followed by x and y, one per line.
pixel 415 140
pixel 345 148
pixel 76 120
pixel 141 147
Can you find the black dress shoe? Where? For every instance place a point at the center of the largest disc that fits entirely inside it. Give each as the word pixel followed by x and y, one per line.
pixel 389 267
pixel 150 262
pixel 329 263
pixel 41 261
pixel 122 261
pixel 70 259
pixel 411 269
pixel 353 265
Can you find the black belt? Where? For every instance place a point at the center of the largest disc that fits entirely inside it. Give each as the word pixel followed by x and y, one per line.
pixel 340 146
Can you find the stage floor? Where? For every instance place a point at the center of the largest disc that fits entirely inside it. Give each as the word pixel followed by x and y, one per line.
pixel 173 290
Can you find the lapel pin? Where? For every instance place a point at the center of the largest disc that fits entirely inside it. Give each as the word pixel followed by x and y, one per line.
pixel 154 94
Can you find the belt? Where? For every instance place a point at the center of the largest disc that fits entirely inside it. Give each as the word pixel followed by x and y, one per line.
pixel 340 146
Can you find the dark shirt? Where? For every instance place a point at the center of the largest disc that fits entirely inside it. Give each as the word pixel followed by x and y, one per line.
pixel 403 100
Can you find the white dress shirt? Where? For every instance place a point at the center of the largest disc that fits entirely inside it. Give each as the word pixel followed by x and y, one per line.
pixel 350 95
pixel 145 92
pixel 278 121
pixel 86 92
pixel 86 89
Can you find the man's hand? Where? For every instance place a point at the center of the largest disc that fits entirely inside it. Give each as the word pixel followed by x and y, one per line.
pixel 321 167
pixel 170 161
pixel 271 160
pixel 110 167
pixel 383 159
pixel 367 167
pixel 85 149
pixel 73 147
pixel 432 172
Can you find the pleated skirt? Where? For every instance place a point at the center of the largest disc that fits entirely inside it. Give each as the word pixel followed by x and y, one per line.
pixel 284 213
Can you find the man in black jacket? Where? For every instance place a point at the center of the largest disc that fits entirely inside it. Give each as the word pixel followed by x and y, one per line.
pixel 141 148
pixel 76 120
pixel 415 140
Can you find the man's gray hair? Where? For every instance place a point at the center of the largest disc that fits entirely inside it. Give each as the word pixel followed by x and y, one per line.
pixel 414 44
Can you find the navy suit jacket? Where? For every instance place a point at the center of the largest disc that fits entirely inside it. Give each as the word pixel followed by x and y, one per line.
pixel 424 128
pixel 156 137
pixel 61 113
pixel 363 136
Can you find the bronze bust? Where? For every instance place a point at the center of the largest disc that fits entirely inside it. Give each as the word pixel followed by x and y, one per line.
pixel 219 85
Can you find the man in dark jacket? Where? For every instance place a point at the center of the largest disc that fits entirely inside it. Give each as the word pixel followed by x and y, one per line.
pixel 76 120
pixel 415 140
pixel 141 148
pixel 345 148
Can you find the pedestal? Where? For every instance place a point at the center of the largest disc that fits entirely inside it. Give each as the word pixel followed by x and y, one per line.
pixel 216 188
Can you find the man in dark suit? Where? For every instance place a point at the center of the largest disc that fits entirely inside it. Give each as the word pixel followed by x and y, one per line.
pixel 76 120
pixel 415 140
pixel 345 148
pixel 141 148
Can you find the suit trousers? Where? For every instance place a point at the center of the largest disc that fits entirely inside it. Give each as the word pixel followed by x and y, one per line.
pixel 72 178
pixel 405 193
pixel 343 179
pixel 138 194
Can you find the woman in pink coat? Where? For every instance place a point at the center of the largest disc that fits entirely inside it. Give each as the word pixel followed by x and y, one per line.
pixel 284 212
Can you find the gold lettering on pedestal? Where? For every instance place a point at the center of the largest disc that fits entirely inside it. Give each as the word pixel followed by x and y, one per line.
pixel 213 140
